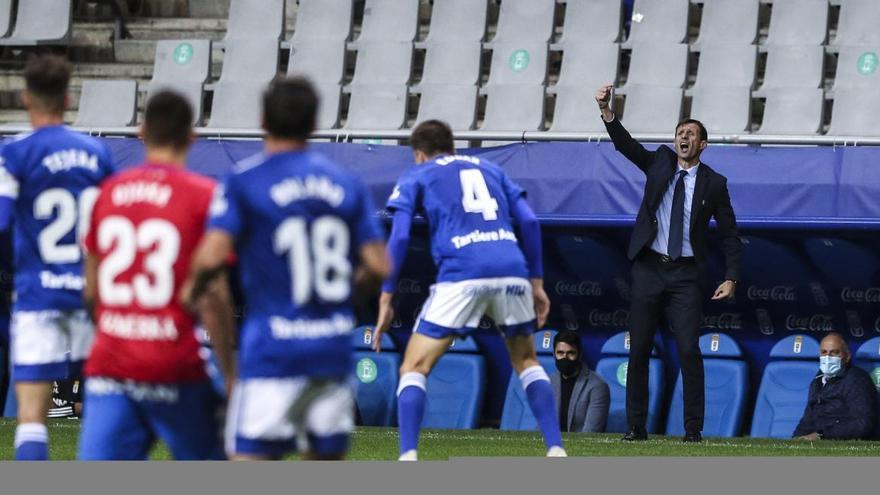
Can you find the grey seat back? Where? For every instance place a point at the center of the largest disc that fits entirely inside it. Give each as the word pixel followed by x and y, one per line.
pixel 729 22
pixel 455 104
pixel 41 21
pixel 452 62
pixel 727 65
pixel 794 66
pixel 383 62
pixel 651 109
pixel 518 63
pixel 659 21
pixel 856 112
pixel 237 105
pixel 252 59
pixel 5 17
pixel 798 22
pixel 182 61
pixel 323 20
pixel 722 109
pixel 329 103
pixel 793 111
pixel 590 65
pixel 322 61
pixel 390 20
pixel 514 107
pixel 255 19
pixel 192 91
pixel 591 22
pixel 377 106
pixel 658 64
pixel 458 20
pixel 575 110
pixel 857 67
pixel 858 23
pixel 107 103
pixel 525 21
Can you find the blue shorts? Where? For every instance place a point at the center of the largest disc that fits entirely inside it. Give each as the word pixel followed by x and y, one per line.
pixel 122 420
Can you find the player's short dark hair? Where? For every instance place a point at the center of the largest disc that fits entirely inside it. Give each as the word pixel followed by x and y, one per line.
pixel 168 119
pixel 46 79
pixel 569 337
pixel 290 108
pixel 432 137
pixel 704 135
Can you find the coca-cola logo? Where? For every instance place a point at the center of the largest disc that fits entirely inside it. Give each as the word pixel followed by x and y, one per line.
pixel 775 293
pixel 723 321
pixel 877 325
pixel 585 288
pixel 869 295
pixel 814 323
pixel 619 318
pixel 409 286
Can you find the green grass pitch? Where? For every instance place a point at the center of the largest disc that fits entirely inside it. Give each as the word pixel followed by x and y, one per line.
pixel 381 444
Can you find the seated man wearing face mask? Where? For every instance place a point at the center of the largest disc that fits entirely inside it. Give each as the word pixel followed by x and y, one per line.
pixel 842 404
pixel 582 397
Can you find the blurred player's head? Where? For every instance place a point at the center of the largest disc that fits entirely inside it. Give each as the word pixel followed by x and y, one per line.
pixel 167 128
pixel 430 139
pixel 691 139
pixel 46 80
pixel 290 109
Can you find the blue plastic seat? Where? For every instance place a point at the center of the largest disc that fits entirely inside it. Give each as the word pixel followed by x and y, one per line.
pixel 868 358
pixel 727 387
pixel 517 414
pixel 455 388
pixel 785 386
pixel 612 368
pixel 377 377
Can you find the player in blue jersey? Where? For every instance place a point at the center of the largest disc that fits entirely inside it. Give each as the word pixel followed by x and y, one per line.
pixel 300 226
pixel 484 270
pixel 48 185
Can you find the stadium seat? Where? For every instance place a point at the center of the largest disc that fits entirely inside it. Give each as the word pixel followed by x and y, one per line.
pixel 514 107
pixel 383 62
pixel 659 21
pixel 858 23
pixel 252 60
pixel 724 109
pixel 575 109
pixel 107 103
pixel 377 377
pixel 651 109
pixel 458 20
pixel 5 17
pixel 263 19
pixel 658 64
pixel 323 20
pixel 855 113
pixel 727 65
pixel 517 414
pixel 455 388
pixel 328 110
pixel 798 22
pixel 237 105
pixel 390 20
pixel 322 61
pixel 41 22
pixel 782 395
pixel 794 67
pixel 867 357
pixel 727 386
pixel 452 62
pixel 857 68
pixel 525 21
pixel 792 111
pixel 589 65
pixel 192 91
pixel 725 22
pixel 183 66
pixel 455 104
pixel 591 22
pixel 612 368
pixel 518 63
pixel 377 106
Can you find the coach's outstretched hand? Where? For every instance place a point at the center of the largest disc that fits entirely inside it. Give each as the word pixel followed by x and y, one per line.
pixel 603 99
pixel 542 301
pixel 386 314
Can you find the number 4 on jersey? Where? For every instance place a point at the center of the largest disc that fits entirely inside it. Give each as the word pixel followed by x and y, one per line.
pixel 475 194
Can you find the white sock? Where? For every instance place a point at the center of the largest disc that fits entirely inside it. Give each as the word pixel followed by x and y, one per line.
pixel 31 432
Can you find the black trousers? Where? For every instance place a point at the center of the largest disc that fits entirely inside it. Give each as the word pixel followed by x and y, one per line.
pixel 673 289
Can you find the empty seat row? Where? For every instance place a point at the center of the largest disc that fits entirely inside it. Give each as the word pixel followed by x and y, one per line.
pixel 37 22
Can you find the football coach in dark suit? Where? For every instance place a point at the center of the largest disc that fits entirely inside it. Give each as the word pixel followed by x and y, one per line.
pixel 668 250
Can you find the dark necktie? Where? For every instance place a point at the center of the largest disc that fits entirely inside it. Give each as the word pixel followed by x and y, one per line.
pixel 676 220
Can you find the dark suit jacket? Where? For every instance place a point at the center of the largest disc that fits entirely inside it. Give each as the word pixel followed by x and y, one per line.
pixel 710 199
pixel 845 408
pixel 590 400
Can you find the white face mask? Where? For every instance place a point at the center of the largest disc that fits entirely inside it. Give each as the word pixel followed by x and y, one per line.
pixel 830 366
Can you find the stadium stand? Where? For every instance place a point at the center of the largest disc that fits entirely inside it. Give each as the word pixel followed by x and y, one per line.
pixel 525 21
pixel 5 17
pixel 659 21
pixel 107 103
pixel 584 68
pixel 383 62
pixel 652 109
pixel 323 20
pixel 784 387
pixel 514 107
pixel 517 415
pixel 390 20
pixel 612 367
pixel 856 68
pixel 658 64
pixel 377 376
pixel 184 66
pixel 722 109
pixel 716 26
pixel 727 388
pixel 868 358
pixel 727 65
pixel 260 19
pixel 377 106
pixel 855 113
pixel 458 20
pixel 456 387
pixel 41 22
pixel 323 62
pixel 591 22
pixel 792 111
pixel 858 23
pixel 798 22
pixel 455 104
pixel 794 67
pixel 248 66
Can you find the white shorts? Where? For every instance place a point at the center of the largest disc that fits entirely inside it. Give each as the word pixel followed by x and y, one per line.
pixel 268 415
pixel 49 345
pixel 457 307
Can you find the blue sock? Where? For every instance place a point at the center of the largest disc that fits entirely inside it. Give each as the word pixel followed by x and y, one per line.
pixel 410 409
pixel 536 383
pixel 31 442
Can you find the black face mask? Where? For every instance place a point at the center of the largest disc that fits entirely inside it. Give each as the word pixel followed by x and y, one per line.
pixel 568 367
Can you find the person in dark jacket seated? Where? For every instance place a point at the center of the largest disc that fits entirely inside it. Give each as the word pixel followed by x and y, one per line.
pixel 843 401
pixel 582 397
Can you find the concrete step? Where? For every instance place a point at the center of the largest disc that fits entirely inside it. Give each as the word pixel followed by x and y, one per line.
pixel 144 52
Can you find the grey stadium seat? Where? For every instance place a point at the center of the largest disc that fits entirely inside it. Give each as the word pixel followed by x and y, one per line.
pixel 377 106
pixel 323 20
pixel 589 65
pixel 525 21
pixel 458 20
pixel 794 67
pixel 514 107
pixel 452 62
pixel 255 19
pixel 722 109
pixel 455 104
pixel 328 107
pixel 383 62
pixel 658 64
pixel 576 110
pixel 858 23
pixel 322 61
pixel 518 63
pixel 857 67
pixel 183 66
pixel 107 103
pixel 856 112
pixel 727 65
pixel 192 91
pixel 798 22
pixel 793 111
pixel 652 109
pixel 40 22
pixel 390 20
pixel 237 105
pixel 5 17
pixel 250 60
pixel 659 21
pixel 728 22
pixel 591 22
